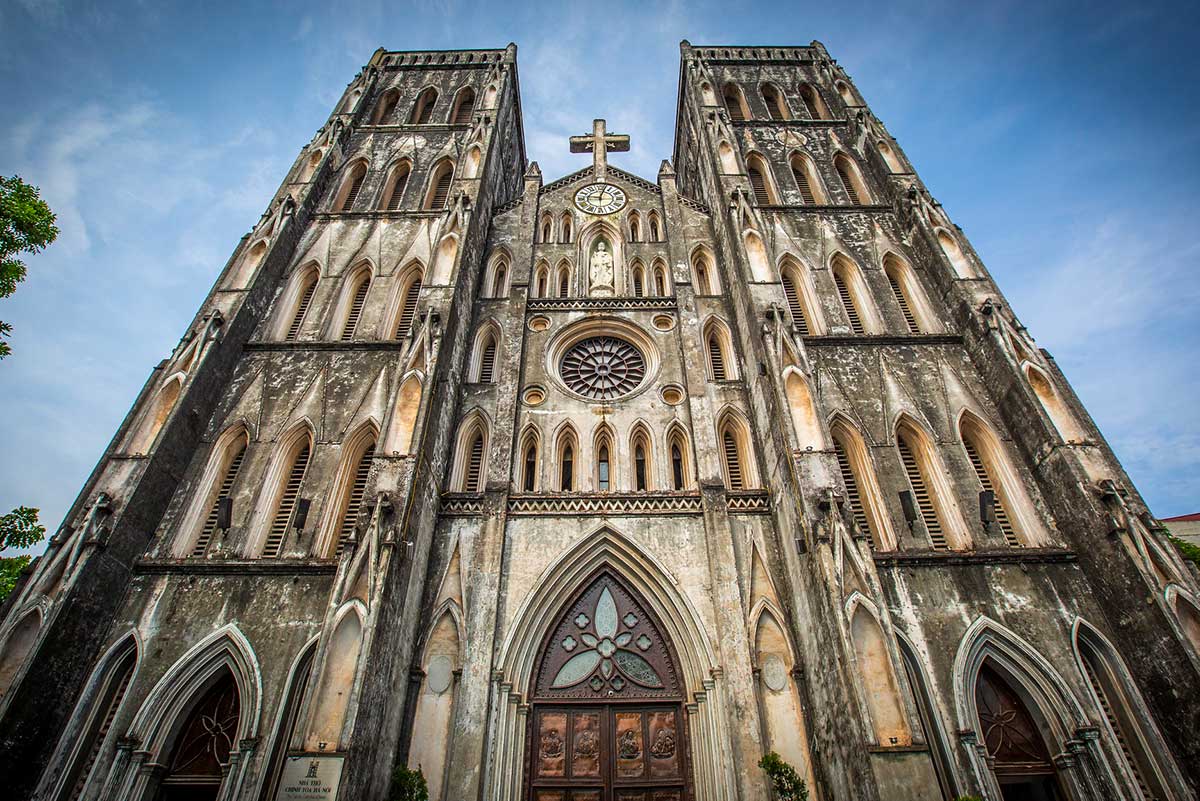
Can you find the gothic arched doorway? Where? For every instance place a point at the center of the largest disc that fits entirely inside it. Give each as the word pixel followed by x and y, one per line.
pixel 200 754
pixel 607 720
pixel 1020 760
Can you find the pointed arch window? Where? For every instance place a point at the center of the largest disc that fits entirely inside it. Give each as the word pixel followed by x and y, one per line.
pixel 358 300
pixel 351 187
pixel 655 228
pixel 928 486
pixel 705 277
pixel 848 304
pixel 464 107
pixel 566 461
pixel 812 103
pixel 500 280
pixel 776 106
pixel 661 285
pixel 862 490
pixel 1014 516
pixel 1115 694
pixel 542 289
pixel 635 227
pixel 805 175
pixel 642 464
pixel 288 495
pixel 352 500
pixel 604 471
pixel 408 306
pixel 439 186
pixel 719 363
pixel 394 196
pixel 758 172
pixel 471 454
pixel 904 290
pixel 308 287
pixel 566 228
pixel 678 463
pixel 386 107
pixel 423 109
pixel 795 301
pixel 529 462
pixel 100 721
pixel 547 230
pixel 852 181
pixel 564 281
pixel 232 457
pixel 639 280
pixel 734 103
pixel 484 371
pixel 735 454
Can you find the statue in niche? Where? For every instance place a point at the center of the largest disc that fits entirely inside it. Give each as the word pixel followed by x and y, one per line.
pixel 601 270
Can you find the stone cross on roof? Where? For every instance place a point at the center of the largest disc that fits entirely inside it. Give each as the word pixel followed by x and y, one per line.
pixel 599 143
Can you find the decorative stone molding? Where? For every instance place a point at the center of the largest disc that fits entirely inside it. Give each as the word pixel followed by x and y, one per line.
pixel 593 304
pixel 757 502
pixel 941 559
pixel 612 503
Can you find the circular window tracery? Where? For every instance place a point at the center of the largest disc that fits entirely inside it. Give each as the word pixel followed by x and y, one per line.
pixel 603 367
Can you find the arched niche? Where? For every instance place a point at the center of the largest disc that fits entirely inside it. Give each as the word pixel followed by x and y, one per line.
pixel 880 688
pixel 779 697
pixel 157 414
pixel 805 421
pixel 958 259
pixel 756 254
pixel 404 418
pixel 444 259
pixel 332 699
pixel 18 643
pixel 433 720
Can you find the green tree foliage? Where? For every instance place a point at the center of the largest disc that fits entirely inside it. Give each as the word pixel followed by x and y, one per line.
pixel 26 226
pixel 18 529
pixel 1186 550
pixel 408 785
pixel 785 781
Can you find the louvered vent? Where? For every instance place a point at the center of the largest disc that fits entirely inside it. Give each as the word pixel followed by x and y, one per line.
pixel 287 504
pixel 409 311
pixel 356 309
pixel 466 106
pixel 909 318
pixel 848 304
pixel 425 109
pixel 804 185
pixel 301 309
pixel 564 285
pixel 853 495
pixel 398 188
pixel 227 482
pixel 734 106
pixel 638 290
pixel 474 465
pixel 986 482
pixel 355 188
pixel 774 105
pixel 639 467
pixel 733 465
pixel 1115 723
pixel 844 173
pixel 487 362
pixel 810 103
pixel 716 358
pixel 921 495
pixel 677 466
pixel 759 183
pixel 441 190
pixel 122 677
pixel 793 301
pixel 498 285
pixel 354 501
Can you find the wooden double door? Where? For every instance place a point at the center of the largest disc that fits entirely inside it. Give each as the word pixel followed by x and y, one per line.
pixel 608 752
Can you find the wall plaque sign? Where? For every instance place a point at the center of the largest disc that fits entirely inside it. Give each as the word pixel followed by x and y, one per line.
pixel 310 777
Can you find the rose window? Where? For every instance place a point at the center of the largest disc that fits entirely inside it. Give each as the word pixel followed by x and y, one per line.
pixel 603 368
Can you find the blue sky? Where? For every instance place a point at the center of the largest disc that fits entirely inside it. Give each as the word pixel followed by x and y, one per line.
pixel 1063 138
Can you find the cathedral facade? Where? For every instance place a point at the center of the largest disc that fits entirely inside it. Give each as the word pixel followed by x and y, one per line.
pixel 600 489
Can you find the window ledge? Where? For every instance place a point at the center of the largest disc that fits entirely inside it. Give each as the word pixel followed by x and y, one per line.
pixel 879 340
pixel 236 567
pixel 325 345
pixel 867 208
pixel 1005 556
pixel 379 214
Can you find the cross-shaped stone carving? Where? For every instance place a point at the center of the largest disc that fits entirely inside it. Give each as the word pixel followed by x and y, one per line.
pixel 599 143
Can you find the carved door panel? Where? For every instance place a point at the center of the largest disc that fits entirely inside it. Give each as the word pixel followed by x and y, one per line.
pixel 607 720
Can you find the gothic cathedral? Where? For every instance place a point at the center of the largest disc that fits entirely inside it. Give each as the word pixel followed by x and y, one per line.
pixel 603 488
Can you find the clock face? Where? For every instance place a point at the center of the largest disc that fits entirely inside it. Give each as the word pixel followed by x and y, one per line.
pixel 600 199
